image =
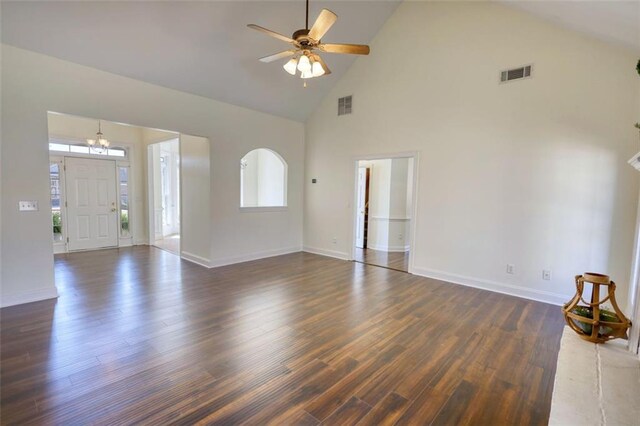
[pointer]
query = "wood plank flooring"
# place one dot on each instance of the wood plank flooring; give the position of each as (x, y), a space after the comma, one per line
(391, 260)
(140, 337)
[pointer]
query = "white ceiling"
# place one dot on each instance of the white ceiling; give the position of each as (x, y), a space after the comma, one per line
(615, 21)
(205, 48)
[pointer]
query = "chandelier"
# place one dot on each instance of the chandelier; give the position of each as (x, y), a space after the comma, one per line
(100, 143)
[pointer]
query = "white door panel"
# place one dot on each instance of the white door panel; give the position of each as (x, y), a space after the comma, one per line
(91, 203)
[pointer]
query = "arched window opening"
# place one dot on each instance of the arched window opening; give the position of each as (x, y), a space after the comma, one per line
(263, 179)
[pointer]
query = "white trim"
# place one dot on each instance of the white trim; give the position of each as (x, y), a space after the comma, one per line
(253, 256)
(391, 219)
(329, 253)
(194, 258)
(512, 290)
(30, 296)
(389, 249)
(263, 209)
(633, 304)
(59, 247)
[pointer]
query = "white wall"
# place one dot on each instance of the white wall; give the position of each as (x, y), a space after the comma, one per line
(196, 205)
(531, 173)
(33, 84)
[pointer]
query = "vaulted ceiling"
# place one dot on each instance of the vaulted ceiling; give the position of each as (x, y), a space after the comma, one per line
(203, 48)
(206, 49)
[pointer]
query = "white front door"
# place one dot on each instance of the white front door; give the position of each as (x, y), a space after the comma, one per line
(92, 210)
(360, 218)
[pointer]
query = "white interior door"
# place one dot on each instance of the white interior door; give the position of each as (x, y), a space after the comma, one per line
(362, 193)
(92, 210)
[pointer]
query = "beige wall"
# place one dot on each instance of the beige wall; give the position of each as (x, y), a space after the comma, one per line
(33, 84)
(531, 173)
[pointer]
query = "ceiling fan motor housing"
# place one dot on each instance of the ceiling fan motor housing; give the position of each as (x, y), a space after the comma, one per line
(301, 36)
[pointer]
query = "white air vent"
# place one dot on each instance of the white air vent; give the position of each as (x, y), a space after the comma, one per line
(344, 105)
(515, 74)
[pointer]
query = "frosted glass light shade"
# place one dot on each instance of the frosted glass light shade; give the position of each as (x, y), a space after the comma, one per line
(290, 66)
(306, 74)
(317, 69)
(303, 64)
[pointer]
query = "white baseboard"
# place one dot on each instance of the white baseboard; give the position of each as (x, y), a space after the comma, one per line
(194, 258)
(28, 297)
(252, 256)
(512, 290)
(389, 249)
(330, 253)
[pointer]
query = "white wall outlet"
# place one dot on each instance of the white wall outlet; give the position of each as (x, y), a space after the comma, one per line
(546, 275)
(511, 269)
(334, 240)
(400, 236)
(28, 206)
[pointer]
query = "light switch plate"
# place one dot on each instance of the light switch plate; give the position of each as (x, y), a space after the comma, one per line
(28, 206)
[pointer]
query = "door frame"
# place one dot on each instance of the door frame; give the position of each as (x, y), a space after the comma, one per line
(128, 161)
(365, 220)
(151, 223)
(414, 199)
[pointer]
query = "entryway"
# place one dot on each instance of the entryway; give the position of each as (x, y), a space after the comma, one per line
(164, 194)
(383, 213)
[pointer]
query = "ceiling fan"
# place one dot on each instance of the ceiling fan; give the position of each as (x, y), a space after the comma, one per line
(305, 44)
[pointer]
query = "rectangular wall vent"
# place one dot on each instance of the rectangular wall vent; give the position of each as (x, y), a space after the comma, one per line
(515, 74)
(344, 105)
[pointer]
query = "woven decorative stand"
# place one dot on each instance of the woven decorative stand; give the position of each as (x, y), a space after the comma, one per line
(591, 322)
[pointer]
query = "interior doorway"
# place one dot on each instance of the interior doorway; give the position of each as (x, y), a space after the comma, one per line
(164, 195)
(383, 215)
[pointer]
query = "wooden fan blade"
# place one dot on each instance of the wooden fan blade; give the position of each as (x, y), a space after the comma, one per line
(277, 56)
(271, 33)
(325, 20)
(350, 49)
(326, 69)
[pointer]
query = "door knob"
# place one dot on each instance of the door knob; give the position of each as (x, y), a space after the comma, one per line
(113, 209)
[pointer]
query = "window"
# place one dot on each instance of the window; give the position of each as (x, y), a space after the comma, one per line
(263, 179)
(58, 146)
(123, 182)
(56, 214)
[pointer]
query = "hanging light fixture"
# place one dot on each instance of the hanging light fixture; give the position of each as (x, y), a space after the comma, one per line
(316, 69)
(291, 66)
(100, 143)
(304, 65)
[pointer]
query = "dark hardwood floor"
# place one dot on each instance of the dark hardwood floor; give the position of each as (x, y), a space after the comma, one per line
(391, 260)
(139, 336)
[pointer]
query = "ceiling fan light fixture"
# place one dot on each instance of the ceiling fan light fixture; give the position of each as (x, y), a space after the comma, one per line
(303, 64)
(306, 74)
(317, 69)
(291, 66)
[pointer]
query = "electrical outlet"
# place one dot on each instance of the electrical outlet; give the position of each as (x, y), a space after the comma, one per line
(28, 206)
(334, 240)
(400, 236)
(546, 275)
(511, 269)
